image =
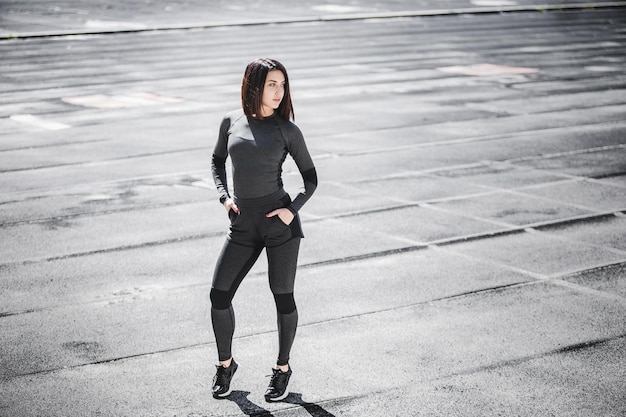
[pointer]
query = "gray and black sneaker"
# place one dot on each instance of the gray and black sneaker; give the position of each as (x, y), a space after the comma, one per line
(279, 382)
(222, 380)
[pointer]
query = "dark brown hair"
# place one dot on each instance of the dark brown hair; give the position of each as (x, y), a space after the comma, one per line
(253, 84)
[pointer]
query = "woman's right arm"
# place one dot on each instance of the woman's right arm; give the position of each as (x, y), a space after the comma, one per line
(218, 161)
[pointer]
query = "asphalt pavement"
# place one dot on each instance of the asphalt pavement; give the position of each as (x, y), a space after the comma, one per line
(465, 251)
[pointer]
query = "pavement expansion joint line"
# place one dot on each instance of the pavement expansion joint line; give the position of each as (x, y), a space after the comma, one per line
(566, 153)
(501, 364)
(521, 193)
(504, 363)
(455, 296)
(451, 297)
(600, 180)
(572, 220)
(474, 139)
(469, 216)
(616, 251)
(465, 294)
(537, 276)
(516, 361)
(591, 291)
(609, 175)
(53, 145)
(558, 279)
(328, 18)
(141, 207)
(361, 257)
(416, 246)
(112, 360)
(96, 184)
(108, 299)
(116, 249)
(105, 161)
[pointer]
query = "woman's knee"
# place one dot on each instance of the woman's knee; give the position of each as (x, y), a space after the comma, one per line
(285, 303)
(220, 300)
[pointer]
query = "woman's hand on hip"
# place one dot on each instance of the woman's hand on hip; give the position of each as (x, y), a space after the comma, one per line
(285, 215)
(229, 204)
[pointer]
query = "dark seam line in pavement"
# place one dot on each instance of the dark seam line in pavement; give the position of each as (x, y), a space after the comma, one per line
(112, 298)
(141, 207)
(611, 175)
(465, 141)
(512, 228)
(512, 362)
(372, 211)
(52, 145)
(478, 236)
(195, 345)
(347, 259)
(105, 361)
(104, 161)
(17, 313)
(609, 266)
(565, 349)
(497, 288)
(566, 153)
(571, 220)
(421, 303)
(521, 193)
(263, 273)
(120, 248)
(568, 222)
(484, 138)
(338, 18)
(115, 182)
(370, 255)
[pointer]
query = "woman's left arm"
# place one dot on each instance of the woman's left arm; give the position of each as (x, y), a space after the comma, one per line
(299, 152)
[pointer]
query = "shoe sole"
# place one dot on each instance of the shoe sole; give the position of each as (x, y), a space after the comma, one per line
(282, 397)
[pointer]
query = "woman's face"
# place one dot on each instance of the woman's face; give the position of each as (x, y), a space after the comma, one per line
(273, 92)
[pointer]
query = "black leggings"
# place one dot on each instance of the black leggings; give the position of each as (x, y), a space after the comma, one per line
(250, 232)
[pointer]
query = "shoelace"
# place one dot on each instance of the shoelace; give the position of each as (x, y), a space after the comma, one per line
(220, 376)
(275, 377)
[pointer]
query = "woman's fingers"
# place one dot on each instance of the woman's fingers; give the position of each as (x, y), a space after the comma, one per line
(230, 204)
(284, 214)
(272, 213)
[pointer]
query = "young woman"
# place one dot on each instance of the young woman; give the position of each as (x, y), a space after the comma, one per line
(262, 215)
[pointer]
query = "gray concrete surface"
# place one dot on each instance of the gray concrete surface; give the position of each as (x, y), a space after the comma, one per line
(62, 17)
(465, 252)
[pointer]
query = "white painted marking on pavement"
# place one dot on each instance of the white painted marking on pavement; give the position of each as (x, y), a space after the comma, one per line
(38, 121)
(493, 3)
(599, 68)
(103, 101)
(336, 8)
(98, 197)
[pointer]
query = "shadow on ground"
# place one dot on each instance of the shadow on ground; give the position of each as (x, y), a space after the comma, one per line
(251, 409)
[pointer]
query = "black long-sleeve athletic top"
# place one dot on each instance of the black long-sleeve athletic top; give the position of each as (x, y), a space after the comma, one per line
(258, 148)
